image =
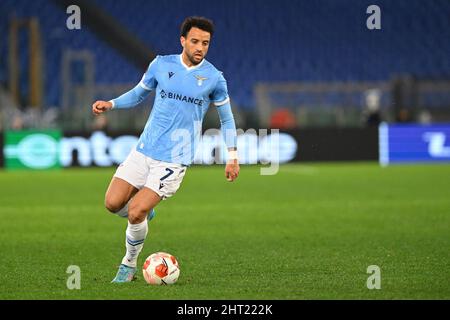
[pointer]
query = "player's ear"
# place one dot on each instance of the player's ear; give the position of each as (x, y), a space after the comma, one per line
(182, 41)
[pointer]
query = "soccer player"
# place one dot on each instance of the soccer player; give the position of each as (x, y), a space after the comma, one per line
(186, 84)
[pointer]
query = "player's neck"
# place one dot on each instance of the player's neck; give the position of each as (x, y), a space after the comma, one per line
(186, 60)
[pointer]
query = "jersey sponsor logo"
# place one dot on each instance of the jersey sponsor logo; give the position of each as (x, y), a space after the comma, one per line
(171, 74)
(200, 79)
(180, 97)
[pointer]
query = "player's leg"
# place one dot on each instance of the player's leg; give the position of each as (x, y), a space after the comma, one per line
(130, 176)
(118, 198)
(143, 202)
(118, 195)
(162, 182)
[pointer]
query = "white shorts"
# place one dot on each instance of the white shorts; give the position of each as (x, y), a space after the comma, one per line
(141, 171)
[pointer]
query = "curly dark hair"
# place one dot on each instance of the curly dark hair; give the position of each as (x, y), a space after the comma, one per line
(198, 22)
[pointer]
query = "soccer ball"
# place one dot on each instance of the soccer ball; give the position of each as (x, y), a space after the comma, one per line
(161, 268)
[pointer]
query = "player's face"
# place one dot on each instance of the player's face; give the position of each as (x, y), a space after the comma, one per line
(196, 44)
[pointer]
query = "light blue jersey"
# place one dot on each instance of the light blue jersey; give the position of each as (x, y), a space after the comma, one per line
(183, 95)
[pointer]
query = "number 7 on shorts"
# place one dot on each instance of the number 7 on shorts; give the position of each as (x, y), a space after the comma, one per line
(167, 175)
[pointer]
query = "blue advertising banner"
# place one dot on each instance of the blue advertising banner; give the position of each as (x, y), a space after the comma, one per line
(409, 143)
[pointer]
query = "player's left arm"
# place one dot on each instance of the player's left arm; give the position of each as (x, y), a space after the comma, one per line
(221, 100)
(228, 128)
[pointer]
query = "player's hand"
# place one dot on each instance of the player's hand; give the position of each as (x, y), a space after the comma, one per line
(101, 106)
(232, 170)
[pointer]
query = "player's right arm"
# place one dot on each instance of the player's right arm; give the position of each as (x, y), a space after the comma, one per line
(128, 100)
(133, 97)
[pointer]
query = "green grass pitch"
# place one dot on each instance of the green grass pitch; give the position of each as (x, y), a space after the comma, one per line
(308, 232)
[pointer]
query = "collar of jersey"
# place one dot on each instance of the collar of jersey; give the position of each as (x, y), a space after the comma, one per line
(190, 68)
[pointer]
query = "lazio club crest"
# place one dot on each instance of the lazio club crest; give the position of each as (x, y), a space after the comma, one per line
(200, 80)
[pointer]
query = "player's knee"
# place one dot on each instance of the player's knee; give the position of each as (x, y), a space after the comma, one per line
(137, 213)
(112, 205)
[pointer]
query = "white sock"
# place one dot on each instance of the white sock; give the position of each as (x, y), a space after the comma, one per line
(134, 241)
(124, 211)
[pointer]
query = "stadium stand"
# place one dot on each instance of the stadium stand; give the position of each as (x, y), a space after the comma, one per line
(265, 40)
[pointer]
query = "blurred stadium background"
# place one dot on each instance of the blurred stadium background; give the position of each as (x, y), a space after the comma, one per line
(312, 69)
